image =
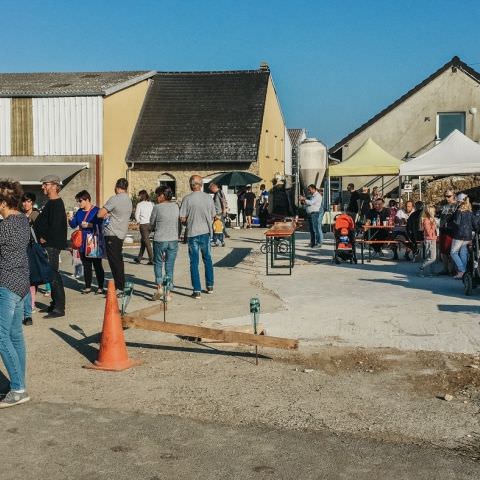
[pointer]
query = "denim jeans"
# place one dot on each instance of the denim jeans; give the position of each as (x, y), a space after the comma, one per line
(430, 256)
(459, 254)
(314, 231)
(164, 255)
(197, 245)
(27, 305)
(12, 345)
(320, 231)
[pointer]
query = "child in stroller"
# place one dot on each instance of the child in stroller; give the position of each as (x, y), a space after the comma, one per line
(344, 231)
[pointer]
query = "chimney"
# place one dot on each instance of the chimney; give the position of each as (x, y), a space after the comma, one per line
(264, 67)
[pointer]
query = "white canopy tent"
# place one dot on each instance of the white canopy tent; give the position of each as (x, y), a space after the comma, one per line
(456, 155)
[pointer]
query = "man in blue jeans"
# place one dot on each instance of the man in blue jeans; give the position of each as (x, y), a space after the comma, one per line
(197, 212)
(313, 203)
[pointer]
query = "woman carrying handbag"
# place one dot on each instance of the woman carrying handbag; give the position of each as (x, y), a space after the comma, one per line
(14, 288)
(90, 227)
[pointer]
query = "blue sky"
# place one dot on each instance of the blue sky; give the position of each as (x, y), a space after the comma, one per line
(335, 63)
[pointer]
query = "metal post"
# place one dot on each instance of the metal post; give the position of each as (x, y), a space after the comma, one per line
(167, 286)
(420, 186)
(255, 311)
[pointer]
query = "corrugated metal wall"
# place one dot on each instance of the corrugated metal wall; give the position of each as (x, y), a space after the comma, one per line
(68, 126)
(5, 126)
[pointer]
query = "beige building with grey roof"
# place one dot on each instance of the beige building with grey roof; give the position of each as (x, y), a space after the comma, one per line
(76, 125)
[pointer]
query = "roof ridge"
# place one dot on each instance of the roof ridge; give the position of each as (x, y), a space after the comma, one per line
(211, 72)
(455, 62)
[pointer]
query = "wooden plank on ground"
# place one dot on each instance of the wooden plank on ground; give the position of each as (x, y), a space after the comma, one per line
(237, 328)
(226, 336)
(148, 311)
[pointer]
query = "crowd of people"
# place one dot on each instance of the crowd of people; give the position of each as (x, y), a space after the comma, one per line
(98, 233)
(450, 225)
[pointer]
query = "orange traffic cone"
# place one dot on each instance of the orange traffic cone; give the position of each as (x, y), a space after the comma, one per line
(113, 351)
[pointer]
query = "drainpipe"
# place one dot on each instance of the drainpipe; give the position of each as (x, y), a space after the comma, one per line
(129, 168)
(98, 198)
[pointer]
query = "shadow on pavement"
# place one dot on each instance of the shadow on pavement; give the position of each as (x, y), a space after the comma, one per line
(470, 309)
(233, 258)
(83, 347)
(421, 284)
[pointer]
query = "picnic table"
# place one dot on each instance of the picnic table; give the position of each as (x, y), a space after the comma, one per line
(371, 237)
(279, 247)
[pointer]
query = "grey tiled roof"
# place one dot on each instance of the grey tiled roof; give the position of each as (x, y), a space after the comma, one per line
(201, 117)
(62, 84)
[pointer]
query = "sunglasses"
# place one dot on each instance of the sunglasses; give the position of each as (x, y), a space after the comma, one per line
(448, 196)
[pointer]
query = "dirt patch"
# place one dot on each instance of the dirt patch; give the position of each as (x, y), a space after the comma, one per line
(426, 373)
(334, 360)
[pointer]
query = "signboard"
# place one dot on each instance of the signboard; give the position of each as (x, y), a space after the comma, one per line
(407, 187)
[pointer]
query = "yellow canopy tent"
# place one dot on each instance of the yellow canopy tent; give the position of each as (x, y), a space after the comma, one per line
(369, 159)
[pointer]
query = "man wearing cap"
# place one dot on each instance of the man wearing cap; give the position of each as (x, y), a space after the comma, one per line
(51, 230)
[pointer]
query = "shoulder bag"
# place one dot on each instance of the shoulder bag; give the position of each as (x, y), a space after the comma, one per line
(76, 237)
(40, 270)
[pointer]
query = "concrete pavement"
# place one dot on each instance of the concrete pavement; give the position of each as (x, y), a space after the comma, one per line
(53, 441)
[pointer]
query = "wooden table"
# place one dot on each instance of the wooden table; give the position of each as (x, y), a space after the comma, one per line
(370, 232)
(280, 246)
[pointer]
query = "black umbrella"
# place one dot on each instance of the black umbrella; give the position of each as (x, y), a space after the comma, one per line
(236, 179)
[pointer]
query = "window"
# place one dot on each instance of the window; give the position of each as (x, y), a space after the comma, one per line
(448, 122)
(167, 180)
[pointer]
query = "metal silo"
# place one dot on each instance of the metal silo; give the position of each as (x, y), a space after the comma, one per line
(312, 162)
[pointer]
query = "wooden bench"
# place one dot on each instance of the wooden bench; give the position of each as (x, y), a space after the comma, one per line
(280, 245)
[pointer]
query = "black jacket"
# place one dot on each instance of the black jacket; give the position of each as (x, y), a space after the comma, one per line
(51, 224)
(463, 225)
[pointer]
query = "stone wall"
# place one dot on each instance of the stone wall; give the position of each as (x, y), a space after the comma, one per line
(433, 191)
(146, 176)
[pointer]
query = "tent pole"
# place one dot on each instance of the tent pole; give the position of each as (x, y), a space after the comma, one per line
(383, 186)
(420, 186)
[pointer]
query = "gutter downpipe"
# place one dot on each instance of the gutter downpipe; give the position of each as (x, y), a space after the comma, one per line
(98, 200)
(129, 168)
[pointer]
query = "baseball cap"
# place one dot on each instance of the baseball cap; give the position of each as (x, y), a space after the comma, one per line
(461, 197)
(51, 179)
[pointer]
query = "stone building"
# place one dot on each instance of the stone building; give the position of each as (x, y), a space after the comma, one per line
(207, 123)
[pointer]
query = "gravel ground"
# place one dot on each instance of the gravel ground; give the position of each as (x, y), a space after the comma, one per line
(387, 393)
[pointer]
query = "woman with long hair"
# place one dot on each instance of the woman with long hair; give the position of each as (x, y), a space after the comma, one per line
(86, 219)
(143, 211)
(14, 289)
(463, 226)
(28, 208)
(429, 226)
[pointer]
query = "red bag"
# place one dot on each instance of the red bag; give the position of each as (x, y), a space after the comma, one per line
(76, 237)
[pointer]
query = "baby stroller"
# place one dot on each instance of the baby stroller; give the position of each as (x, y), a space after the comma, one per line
(344, 231)
(471, 278)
